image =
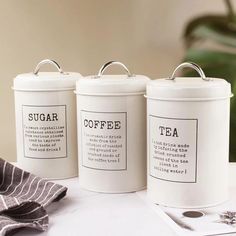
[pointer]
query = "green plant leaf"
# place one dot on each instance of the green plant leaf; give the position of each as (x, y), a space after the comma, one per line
(210, 57)
(218, 28)
(215, 34)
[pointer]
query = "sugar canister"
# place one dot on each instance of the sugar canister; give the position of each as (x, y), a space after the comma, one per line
(45, 110)
(188, 139)
(112, 131)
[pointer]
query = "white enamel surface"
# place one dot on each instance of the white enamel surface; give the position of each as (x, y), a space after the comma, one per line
(188, 88)
(112, 84)
(47, 146)
(211, 185)
(46, 81)
(56, 168)
(116, 178)
(116, 101)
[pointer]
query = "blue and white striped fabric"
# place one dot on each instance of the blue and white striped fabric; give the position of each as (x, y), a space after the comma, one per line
(23, 198)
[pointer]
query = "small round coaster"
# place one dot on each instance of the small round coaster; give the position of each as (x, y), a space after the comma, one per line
(193, 214)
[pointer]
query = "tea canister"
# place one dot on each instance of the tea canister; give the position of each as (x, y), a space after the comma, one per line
(112, 131)
(188, 140)
(45, 110)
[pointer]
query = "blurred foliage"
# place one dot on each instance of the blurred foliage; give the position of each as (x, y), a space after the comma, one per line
(221, 63)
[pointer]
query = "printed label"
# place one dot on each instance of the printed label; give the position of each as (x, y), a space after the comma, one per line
(44, 131)
(104, 137)
(173, 149)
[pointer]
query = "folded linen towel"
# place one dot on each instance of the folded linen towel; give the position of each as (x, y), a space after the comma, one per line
(23, 198)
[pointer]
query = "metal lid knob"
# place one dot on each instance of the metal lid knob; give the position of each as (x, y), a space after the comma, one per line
(110, 63)
(47, 61)
(190, 65)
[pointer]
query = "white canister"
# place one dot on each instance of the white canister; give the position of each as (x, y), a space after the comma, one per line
(112, 131)
(188, 140)
(45, 110)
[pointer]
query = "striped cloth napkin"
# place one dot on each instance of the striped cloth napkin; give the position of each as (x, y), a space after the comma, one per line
(23, 198)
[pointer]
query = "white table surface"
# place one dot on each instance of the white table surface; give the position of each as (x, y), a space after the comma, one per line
(85, 213)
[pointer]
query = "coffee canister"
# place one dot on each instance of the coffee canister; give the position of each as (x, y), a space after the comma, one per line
(45, 110)
(188, 140)
(112, 131)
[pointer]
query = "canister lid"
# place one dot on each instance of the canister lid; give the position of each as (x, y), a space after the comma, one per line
(46, 81)
(112, 85)
(188, 88)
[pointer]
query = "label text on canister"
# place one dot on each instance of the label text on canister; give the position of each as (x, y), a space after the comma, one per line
(173, 149)
(43, 117)
(104, 140)
(44, 131)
